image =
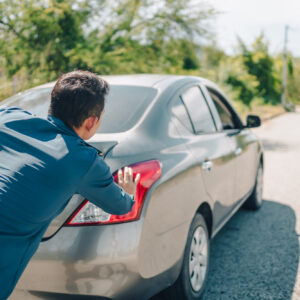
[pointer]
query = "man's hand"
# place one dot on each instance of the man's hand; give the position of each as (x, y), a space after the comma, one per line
(127, 182)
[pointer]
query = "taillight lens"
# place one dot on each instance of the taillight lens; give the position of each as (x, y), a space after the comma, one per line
(89, 214)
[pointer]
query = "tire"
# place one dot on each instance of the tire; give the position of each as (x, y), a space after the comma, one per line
(254, 201)
(190, 285)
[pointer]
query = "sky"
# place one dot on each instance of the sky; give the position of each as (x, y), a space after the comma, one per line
(248, 18)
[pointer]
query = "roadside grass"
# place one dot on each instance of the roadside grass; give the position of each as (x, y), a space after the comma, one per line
(264, 111)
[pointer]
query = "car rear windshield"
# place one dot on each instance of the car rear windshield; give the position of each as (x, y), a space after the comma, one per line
(124, 105)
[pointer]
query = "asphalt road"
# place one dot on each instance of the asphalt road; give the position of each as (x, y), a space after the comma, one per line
(256, 254)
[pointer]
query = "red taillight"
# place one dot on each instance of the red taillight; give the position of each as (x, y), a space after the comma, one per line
(89, 214)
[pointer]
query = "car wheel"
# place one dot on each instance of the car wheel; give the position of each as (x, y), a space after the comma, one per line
(254, 201)
(192, 279)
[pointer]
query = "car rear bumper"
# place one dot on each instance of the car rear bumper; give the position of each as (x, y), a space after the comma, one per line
(92, 260)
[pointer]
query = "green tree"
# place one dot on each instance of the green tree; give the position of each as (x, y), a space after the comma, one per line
(293, 87)
(40, 36)
(41, 39)
(260, 64)
(153, 36)
(229, 73)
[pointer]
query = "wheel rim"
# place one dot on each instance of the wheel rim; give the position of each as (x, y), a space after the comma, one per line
(259, 185)
(198, 258)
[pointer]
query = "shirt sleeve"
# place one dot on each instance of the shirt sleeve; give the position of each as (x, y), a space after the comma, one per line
(99, 188)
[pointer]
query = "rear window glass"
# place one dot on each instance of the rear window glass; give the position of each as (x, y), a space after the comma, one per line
(124, 105)
(35, 101)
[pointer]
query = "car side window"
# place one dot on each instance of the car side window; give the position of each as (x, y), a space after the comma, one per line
(179, 110)
(226, 116)
(198, 110)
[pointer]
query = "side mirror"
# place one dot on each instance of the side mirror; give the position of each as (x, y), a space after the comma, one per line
(253, 121)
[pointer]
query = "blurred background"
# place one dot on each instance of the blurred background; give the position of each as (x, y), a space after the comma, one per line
(249, 48)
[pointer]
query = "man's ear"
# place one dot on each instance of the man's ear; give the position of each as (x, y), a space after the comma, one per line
(90, 122)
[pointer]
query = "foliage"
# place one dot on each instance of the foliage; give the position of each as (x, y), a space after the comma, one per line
(243, 82)
(229, 73)
(260, 64)
(251, 74)
(293, 87)
(40, 39)
(46, 39)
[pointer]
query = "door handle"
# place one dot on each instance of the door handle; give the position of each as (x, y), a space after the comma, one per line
(207, 165)
(238, 151)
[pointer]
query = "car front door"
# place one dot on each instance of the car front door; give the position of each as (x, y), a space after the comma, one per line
(242, 142)
(212, 152)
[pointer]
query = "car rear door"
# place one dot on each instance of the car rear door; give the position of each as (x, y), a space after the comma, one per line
(212, 151)
(242, 142)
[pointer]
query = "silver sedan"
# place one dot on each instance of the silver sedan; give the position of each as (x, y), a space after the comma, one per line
(198, 163)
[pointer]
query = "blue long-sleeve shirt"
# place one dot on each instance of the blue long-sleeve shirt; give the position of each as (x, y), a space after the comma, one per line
(42, 164)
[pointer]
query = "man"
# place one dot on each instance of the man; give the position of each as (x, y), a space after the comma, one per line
(44, 162)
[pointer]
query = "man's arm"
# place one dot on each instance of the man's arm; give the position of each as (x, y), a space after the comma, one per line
(99, 188)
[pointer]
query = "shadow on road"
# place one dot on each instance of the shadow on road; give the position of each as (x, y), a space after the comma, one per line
(274, 145)
(255, 256)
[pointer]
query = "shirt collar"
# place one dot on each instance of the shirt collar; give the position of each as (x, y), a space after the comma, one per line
(65, 128)
(62, 125)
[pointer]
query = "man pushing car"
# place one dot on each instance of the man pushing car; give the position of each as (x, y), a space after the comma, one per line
(43, 162)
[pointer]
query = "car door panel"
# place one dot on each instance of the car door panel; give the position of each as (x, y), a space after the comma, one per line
(242, 141)
(246, 168)
(219, 177)
(213, 156)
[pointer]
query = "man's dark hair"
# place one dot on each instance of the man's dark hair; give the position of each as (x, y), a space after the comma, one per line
(76, 96)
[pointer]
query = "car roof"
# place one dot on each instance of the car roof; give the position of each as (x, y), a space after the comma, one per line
(146, 80)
